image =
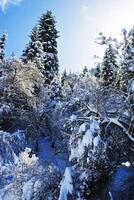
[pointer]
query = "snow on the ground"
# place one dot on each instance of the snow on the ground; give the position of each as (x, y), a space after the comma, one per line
(47, 153)
(119, 179)
(27, 190)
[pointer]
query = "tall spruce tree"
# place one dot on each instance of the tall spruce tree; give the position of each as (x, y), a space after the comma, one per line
(97, 72)
(109, 67)
(64, 77)
(85, 71)
(2, 46)
(126, 72)
(48, 37)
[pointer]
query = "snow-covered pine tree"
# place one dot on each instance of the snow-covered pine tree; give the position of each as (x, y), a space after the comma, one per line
(64, 77)
(109, 67)
(34, 50)
(55, 89)
(48, 37)
(2, 46)
(85, 71)
(126, 72)
(34, 34)
(97, 71)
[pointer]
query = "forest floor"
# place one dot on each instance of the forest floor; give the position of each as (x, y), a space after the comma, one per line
(47, 154)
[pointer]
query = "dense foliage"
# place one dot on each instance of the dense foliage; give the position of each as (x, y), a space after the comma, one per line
(60, 138)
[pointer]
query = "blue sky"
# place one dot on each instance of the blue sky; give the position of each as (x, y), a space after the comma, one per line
(77, 20)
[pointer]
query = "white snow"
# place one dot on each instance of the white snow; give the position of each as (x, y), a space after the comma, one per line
(27, 190)
(96, 141)
(11, 142)
(126, 164)
(5, 109)
(7, 193)
(88, 139)
(132, 86)
(127, 113)
(82, 128)
(84, 175)
(85, 142)
(66, 184)
(114, 121)
(26, 160)
(110, 195)
(73, 118)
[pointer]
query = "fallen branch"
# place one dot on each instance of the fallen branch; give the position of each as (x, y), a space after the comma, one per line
(116, 122)
(93, 111)
(115, 140)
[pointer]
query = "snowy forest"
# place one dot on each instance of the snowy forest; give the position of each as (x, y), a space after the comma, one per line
(66, 136)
